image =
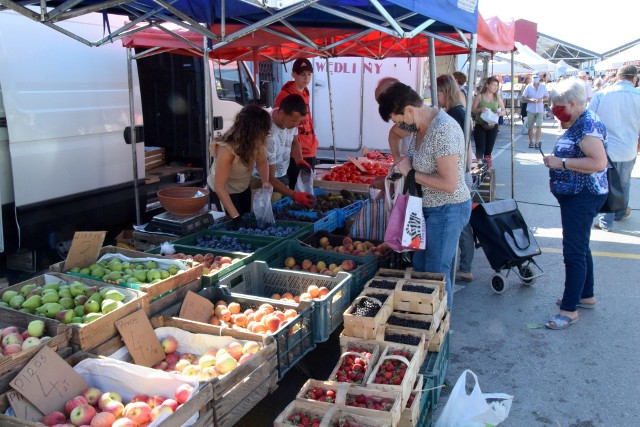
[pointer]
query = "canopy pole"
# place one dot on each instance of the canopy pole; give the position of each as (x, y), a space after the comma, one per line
(208, 108)
(333, 126)
(432, 71)
(513, 148)
(471, 87)
(132, 121)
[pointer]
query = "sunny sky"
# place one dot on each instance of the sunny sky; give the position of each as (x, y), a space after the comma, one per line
(597, 25)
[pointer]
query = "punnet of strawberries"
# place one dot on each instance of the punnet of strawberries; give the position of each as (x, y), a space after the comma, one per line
(353, 368)
(321, 395)
(410, 401)
(303, 419)
(369, 402)
(392, 371)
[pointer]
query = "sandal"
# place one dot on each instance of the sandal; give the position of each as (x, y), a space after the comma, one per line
(588, 305)
(558, 322)
(537, 146)
(531, 145)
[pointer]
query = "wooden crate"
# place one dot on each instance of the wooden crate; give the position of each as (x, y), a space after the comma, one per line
(366, 327)
(144, 241)
(310, 409)
(439, 279)
(196, 405)
(429, 333)
(89, 335)
(337, 186)
(152, 290)
(438, 339)
(354, 419)
(392, 416)
(411, 414)
(58, 332)
(416, 302)
(387, 273)
(339, 389)
(413, 366)
(176, 296)
(372, 348)
(154, 157)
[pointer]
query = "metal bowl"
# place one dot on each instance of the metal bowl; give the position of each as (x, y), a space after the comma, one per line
(183, 201)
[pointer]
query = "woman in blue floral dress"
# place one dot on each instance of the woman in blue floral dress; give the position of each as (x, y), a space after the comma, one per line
(578, 180)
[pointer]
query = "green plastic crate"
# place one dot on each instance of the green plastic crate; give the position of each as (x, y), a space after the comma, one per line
(383, 261)
(211, 278)
(258, 243)
(365, 267)
(301, 229)
(257, 279)
(294, 340)
(434, 369)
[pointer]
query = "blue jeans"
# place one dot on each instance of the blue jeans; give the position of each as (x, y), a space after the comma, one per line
(444, 224)
(577, 212)
(624, 170)
(466, 242)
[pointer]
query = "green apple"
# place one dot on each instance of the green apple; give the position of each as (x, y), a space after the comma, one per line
(151, 264)
(75, 269)
(115, 265)
(85, 271)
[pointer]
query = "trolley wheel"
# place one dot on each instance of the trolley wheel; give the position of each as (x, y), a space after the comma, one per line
(527, 272)
(499, 283)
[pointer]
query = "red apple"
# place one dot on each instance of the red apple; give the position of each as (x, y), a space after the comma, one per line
(53, 418)
(92, 395)
(103, 419)
(139, 398)
(160, 410)
(124, 422)
(12, 338)
(162, 365)
(82, 414)
(76, 401)
(25, 335)
(10, 330)
(172, 358)
(138, 412)
(171, 403)
(190, 357)
(183, 392)
(107, 397)
(169, 344)
(12, 348)
(30, 342)
(113, 406)
(156, 400)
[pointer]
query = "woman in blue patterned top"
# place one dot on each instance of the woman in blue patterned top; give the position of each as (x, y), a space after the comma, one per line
(578, 180)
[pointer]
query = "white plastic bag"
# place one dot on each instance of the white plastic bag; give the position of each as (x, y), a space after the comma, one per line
(261, 207)
(304, 183)
(490, 117)
(473, 410)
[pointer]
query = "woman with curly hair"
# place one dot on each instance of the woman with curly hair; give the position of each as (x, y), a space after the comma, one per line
(235, 155)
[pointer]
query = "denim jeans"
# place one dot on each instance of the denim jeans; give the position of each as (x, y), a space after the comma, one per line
(577, 213)
(466, 242)
(444, 224)
(624, 170)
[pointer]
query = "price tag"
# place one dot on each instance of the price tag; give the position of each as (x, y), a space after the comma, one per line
(48, 382)
(22, 408)
(141, 341)
(85, 248)
(196, 308)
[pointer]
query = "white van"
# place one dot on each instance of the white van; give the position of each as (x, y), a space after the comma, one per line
(64, 111)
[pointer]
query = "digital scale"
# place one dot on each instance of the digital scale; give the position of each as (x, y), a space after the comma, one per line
(179, 225)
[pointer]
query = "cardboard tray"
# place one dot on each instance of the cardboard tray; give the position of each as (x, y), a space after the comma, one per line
(89, 335)
(152, 290)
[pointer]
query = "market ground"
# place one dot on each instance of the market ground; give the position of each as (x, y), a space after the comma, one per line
(584, 376)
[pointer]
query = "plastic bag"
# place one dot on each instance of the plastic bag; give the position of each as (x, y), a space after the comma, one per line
(304, 183)
(473, 410)
(490, 117)
(261, 207)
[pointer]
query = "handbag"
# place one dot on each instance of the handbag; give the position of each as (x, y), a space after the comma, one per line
(474, 409)
(406, 227)
(615, 198)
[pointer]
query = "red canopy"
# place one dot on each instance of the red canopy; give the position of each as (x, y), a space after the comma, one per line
(275, 43)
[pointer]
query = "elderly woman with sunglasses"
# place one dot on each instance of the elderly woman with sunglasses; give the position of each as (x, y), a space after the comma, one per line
(578, 180)
(437, 146)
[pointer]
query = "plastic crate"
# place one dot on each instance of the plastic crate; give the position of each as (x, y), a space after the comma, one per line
(258, 243)
(211, 278)
(301, 229)
(259, 280)
(426, 412)
(293, 341)
(434, 369)
(325, 221)
(348, 211)
(365, 267)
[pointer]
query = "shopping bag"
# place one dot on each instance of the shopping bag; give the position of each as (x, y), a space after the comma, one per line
(406, 228)
(476, 409)
(615, 199)
(261, 207)
(371, 221)
(489, 117)
(304, 183)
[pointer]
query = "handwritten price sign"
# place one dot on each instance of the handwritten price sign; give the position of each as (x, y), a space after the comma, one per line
(85, 248)
(22, 408)
(48, 382)
(196, 308)
(141, 341)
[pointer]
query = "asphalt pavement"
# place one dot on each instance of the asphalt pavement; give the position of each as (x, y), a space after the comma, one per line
(586, 375)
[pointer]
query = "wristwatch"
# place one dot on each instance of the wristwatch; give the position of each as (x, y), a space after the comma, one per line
(564, 163)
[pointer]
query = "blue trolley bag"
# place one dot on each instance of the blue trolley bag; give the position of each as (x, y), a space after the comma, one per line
(503, 234)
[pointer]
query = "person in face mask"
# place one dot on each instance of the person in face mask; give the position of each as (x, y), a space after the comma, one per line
(438, 167)
(578, 180)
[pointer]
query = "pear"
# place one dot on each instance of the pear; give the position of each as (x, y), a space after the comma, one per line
(49, 297)
(91, 317)
(27, 310)
(64, 316)
(94, 266)
(7, 295)
(91, 306)
(115, 265)
(66, 303)
(114, 295)
(96, 297)
(36, 328)
(151, 265)
(52, 309)
(108, 305)
(79, 311)
(163, 273)
(153, 274)
(65, 293)
(35, 291)
(4, 304)
(77, 288)
(103, 291)
(173, 270)
(140, 275)
(32, 302)
(16, 301)
(80, 300)
(90, 290)
(52, 285)
(98, 272)
(27, 288)
(113, 276)
(85, 271)
(77, 320)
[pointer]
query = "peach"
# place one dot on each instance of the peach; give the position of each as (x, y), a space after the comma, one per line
(347, 241)
(321, 265)
(290, 262)
(296, 299)
(306, 264)
(267, 307)
(260, 329)
(251, 318)
(235, 350)
(258, 315)
(290, 313)
(221, 302)
(248, 311)
(241, 320)
(287, 295)
(273, 323)
(305, 296)
(279, 315)
(313, 269)
(225, 315)
(251, 347)
(275, 296)
(234, 308)
(214, 320)
(313, 291)
(225, 364)
(324, 242)
(251, 325)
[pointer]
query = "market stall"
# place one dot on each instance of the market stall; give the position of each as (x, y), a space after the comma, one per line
(629, 56)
